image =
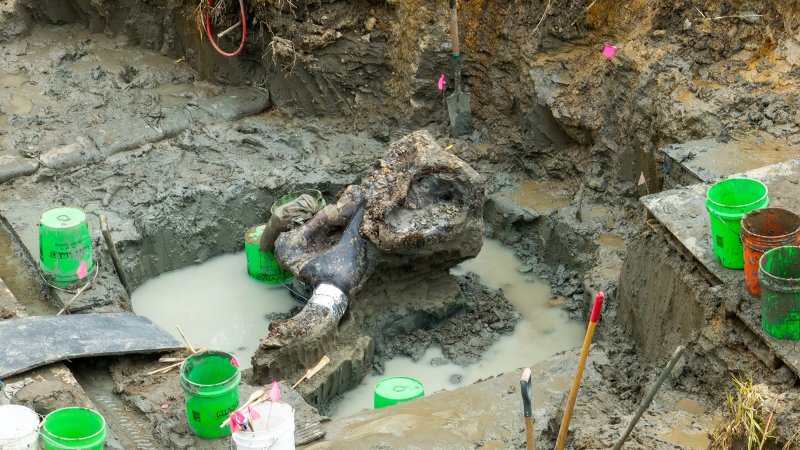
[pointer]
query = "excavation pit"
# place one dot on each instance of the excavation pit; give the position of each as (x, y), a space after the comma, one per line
(120, 108)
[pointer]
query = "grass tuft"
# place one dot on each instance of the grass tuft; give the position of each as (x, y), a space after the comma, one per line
(745, 420)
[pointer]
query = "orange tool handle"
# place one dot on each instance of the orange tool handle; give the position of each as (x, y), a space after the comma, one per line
(576, 383)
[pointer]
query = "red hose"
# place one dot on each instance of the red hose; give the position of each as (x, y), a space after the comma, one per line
(211, 37)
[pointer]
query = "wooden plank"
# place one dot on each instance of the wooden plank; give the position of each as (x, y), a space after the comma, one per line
(31, 342)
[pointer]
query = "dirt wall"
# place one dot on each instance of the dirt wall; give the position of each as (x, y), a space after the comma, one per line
(661, 303)
(665, 301)
(542, 93)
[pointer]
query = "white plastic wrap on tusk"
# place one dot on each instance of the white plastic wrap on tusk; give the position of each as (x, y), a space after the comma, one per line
(330, 297)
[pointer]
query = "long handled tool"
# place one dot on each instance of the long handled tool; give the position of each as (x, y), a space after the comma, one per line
(676, 355)
(576, 383)
(527, 399)
(458, 103)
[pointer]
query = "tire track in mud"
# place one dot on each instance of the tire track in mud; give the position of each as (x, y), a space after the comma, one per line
(130, 428)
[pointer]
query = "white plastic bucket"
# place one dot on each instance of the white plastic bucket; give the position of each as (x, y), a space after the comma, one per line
(19, 428)
(278, 436)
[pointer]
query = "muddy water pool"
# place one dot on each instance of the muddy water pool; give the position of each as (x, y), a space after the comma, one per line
(216, 303)
(542, 332)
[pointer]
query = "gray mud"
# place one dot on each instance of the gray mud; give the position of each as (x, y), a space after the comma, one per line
(555, 122)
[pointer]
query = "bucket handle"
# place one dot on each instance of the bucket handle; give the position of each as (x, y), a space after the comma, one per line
(725, 224)
(51, 442)
(94, 277)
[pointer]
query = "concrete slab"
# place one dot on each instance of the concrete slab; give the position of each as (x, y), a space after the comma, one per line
(710, 160)
(682, 211)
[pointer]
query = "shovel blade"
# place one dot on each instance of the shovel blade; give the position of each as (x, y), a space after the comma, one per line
(458, 108)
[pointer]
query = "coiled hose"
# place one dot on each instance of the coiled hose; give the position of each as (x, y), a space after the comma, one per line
(211, 36)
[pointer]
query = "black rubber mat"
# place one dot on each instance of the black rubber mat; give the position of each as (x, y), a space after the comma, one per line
(30, 342)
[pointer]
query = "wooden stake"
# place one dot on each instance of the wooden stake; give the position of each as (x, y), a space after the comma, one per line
(166, 369)
(311, 372)
(74, 297)
(166, 359)
(185, 341)
(112, 249)
(766, 431)
(230, 29)
(576, 383)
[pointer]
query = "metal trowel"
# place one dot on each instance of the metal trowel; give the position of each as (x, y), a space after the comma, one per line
(458, 104)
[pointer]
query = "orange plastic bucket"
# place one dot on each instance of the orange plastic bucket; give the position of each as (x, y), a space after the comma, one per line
(763, 230)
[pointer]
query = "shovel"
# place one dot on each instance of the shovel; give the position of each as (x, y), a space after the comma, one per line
(527, 411)
(458, 104)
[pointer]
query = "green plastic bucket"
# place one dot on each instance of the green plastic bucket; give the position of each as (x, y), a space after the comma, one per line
(74, 428)
(65, 248)
(210, 383)
(263, 266)
(393, 390)
(779, 275)
(727, 202)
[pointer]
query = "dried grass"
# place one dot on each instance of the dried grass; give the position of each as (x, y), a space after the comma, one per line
(745, 421)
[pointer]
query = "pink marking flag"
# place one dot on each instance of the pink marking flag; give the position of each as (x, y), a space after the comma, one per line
(441, 83)
(275, 392)
(234, 362)
(82, 272)
(642, 180)
(609, 51)
(237, 421)
(254, 415)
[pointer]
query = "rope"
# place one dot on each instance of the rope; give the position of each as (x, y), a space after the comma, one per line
(288, 287)
(211, 35)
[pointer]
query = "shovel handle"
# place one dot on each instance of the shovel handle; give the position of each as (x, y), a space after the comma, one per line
(454, 29)
(576, 382)
(530, 437)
